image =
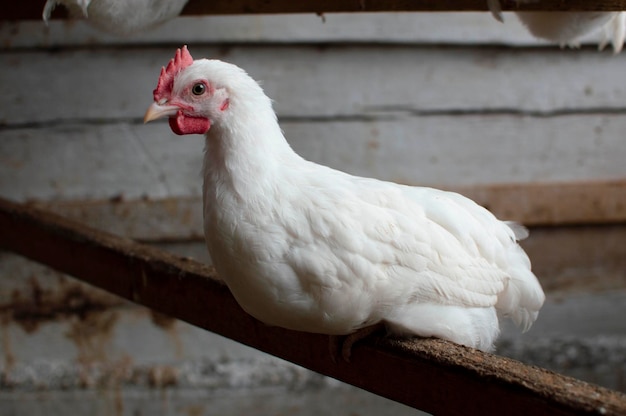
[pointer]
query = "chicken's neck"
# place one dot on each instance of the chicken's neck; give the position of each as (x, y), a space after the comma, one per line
(247, 155)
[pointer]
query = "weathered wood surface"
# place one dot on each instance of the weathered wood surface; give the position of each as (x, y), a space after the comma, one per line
(179, 217)
(568, 112)
(546, 149)
(330, 83)
(328, 6)
(548, 181)
(444, 28)
(375, 28)
(424, 374)
(32, 9)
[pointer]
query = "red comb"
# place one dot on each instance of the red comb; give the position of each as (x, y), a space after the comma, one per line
(181, 60)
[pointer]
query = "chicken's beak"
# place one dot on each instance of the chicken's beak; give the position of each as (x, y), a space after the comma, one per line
(156, 111)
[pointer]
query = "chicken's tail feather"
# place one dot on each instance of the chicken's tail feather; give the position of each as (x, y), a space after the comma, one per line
(523, 296)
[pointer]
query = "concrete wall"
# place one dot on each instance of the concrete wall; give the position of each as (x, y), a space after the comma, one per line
(452, 100)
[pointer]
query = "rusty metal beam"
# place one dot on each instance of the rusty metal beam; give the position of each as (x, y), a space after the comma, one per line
(432, 375)
(31, 10)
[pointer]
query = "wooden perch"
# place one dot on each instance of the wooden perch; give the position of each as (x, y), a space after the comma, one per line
(432, 375)
(31, 10)
(341, 6)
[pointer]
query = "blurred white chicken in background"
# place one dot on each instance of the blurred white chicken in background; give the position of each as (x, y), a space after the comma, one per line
(119, 17)
(566, 28)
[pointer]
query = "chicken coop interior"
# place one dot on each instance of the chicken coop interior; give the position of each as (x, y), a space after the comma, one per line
(108, 302)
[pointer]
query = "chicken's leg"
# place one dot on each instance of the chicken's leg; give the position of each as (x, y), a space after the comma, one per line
(342, 345)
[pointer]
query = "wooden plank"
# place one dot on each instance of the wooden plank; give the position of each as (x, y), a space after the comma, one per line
(560, 203)
(492, 153)
(109, 84)
(32, 9)
(579, 258)
(416, 29)
(176, 219)
(424, 374)
(148, 220)
(333, 6)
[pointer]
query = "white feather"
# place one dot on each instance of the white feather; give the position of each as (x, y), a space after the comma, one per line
(119, 17)
(566, 28)
(309, 248)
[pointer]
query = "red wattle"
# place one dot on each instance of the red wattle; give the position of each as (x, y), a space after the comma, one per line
(182, 124)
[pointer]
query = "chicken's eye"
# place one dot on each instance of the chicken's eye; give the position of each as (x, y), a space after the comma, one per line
(198, 89)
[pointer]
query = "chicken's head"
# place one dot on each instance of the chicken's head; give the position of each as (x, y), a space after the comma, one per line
(190, 100)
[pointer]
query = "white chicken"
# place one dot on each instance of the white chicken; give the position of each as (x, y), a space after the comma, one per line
(566, 28)
(119, 17)
(309, 248)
